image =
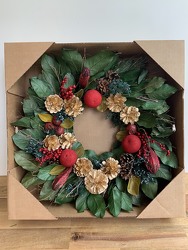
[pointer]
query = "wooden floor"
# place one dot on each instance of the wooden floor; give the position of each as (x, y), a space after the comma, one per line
(86, 234)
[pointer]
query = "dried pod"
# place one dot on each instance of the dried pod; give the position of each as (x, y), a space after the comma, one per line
(60, 180)
(153, 163)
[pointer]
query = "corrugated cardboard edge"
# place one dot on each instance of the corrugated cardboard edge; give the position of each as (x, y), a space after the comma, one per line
(22, 201)
(170, 203)
(23, 55)
(169, 55)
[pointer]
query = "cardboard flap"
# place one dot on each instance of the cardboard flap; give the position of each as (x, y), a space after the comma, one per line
(23, 205)
(169, 55)
(170, 203)
(23, 55)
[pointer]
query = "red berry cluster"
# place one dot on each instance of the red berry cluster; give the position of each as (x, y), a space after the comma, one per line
(144, 150)
(66, 93)
(49, 155)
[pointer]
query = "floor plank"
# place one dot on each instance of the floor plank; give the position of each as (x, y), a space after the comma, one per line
(84, 234)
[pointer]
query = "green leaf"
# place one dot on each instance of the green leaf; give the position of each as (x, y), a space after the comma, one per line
(50, 65)
(163, 92)
(150, 189)
(73, 60)
(44, 173)
(33, 96)
(130, 76)
(22, 137)
(30, 106)
(159, 106)
(164, 172)
(126, 202)
(41, 88)
(30, 180)
(23, 122)
(36, 123)
(90, 154)
(96, 205)
(121, 184)
(114, 201)
(47, 193)
(164, 141)
(26, 161)
(104, 156)
(142, 75)
(67, 123)
(147, 120)
(100, 61)
(169, 160)
(70, 80)
(63, 197)
(154, 84)
(81, 201)
(78, 148)
(52, 81)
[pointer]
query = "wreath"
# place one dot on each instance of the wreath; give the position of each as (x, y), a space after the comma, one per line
(140, 162)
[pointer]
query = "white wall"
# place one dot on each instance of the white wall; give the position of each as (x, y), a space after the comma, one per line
(87, 21)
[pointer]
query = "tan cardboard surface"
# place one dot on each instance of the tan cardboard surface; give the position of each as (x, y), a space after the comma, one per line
(169, 55)
(32, 208)
(19, 57)
(166, 204)
(23, 204)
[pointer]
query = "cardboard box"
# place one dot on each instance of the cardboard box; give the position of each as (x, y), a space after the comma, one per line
(22, 62)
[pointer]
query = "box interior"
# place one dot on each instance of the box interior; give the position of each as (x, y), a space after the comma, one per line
(17, 92)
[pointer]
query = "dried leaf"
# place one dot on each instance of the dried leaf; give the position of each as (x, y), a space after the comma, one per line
(133, 185)
(102, 107)
(120, 135)
(45, 117)
(67, 123)
(57, 170)
(80, 93)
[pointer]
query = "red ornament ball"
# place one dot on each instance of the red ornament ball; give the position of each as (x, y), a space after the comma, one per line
(68, 158)
(92, 98)
(131, 144)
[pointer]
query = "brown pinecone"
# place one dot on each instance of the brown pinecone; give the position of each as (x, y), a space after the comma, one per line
(126, 162)
(111, 75)
(102, 86)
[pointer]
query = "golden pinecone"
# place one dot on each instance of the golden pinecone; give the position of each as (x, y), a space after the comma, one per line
(54, 103)
(51, 142)
(96, 182)
(129, 114)
(111, 168)
(115, 103)
(66, 140)
(82, 167)
(73, 107)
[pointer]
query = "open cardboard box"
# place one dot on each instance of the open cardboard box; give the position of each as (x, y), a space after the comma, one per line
(22, 62)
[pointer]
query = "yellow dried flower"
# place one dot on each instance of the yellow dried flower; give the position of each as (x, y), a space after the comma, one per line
(96, 182)
(67, 140)
(54, 103)
(73, 107)
(82, 167)
(51, 142)
(129, 114)
(115, 103)
(111, 168)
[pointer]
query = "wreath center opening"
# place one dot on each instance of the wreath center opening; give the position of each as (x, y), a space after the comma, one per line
(94, 131)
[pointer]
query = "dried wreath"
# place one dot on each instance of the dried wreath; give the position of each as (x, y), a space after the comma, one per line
(135, 102)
